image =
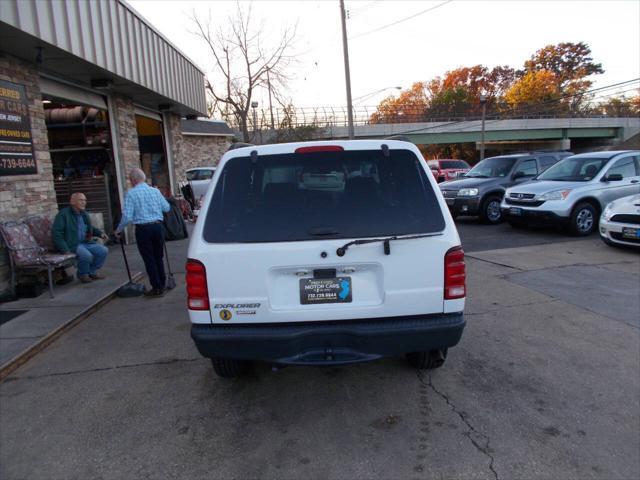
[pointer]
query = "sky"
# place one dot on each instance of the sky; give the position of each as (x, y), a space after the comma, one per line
(421, 45)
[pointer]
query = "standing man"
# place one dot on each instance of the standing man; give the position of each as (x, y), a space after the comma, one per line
(143, 206)
(72, 232)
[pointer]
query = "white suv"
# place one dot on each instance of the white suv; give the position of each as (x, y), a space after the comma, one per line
(574, 191)
(324, 253)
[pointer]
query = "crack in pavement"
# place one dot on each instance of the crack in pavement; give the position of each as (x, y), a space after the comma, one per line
(471, 429)
(103, 369)
(494, 263)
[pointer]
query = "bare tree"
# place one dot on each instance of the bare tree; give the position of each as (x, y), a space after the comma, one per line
(243, 64)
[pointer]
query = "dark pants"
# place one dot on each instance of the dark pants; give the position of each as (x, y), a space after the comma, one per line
(150, 239)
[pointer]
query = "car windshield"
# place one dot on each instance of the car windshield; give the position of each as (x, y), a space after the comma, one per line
(453, 164)
(574, 169)
(492, 167)
(338, 194)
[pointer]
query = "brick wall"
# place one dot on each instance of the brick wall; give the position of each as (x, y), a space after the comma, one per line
(22, 195)
(126, 135)
(175, 143)
(198, 151)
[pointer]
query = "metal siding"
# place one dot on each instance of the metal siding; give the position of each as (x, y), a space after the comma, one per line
(84, 24)
(117, 24)
(44, 20)
(130, 49)
(100, 46)
(108, 34)
(26, 17)
(62, 36)
(74, 28)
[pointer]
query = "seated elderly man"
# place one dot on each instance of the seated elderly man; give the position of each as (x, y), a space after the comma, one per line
(73, 233)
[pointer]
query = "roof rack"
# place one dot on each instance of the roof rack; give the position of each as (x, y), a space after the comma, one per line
(235, 145)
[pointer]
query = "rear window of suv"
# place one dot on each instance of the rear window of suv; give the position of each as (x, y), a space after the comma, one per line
(343, 194)
(453, 164)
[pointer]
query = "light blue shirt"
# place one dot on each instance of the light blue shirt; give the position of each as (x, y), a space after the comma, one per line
(143, 204)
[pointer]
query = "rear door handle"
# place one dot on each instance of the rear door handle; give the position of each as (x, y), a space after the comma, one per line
(635, 181)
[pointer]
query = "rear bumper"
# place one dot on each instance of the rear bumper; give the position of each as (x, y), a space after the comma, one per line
(329, 343)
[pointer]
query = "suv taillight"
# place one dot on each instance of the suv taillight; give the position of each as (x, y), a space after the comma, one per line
(197, 291)
(454, 274)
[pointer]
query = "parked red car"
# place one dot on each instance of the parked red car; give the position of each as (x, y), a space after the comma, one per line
(447, 169)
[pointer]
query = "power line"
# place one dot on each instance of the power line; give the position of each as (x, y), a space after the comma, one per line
(401, 20)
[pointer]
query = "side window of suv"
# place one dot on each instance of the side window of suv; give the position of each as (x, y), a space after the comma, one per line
(545, 162)
(527, 167)
(205, 174)
(625, 167)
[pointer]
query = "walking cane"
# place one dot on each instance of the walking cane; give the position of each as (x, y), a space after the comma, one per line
(131, 289)
(171, 282)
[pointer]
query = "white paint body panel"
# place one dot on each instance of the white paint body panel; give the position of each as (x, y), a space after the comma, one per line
(409, 281)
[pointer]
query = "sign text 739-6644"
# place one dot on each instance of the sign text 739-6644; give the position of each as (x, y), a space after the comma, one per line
(16, 144)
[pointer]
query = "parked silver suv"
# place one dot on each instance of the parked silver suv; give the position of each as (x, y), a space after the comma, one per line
(574, 191)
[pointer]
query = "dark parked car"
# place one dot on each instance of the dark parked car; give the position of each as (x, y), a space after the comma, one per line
(446, 169)
(480, 190)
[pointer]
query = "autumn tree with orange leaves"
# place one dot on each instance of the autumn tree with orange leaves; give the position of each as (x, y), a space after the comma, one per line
(409, 106)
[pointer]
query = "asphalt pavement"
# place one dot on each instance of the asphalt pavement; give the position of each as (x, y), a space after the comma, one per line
(544, 384)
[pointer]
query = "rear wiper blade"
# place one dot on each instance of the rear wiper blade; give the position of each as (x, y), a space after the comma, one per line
(387, 247)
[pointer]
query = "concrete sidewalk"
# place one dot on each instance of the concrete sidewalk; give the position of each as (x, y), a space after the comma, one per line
(45, 318)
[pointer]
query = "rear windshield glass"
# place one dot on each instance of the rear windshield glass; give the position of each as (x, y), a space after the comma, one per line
(574, 169)
(350, 194)
(192, 175)
(492, 167)
(453, 164)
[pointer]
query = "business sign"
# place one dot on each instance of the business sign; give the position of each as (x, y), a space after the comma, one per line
(16, 145)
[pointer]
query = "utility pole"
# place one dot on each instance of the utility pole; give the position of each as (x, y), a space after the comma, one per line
(270, 106)
(483, 102)
(347, 75)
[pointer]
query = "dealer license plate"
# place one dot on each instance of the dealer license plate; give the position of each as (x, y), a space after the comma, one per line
(516, 212)
(630, 233)
(325, 290)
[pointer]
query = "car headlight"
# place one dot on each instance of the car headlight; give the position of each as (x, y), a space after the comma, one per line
(555, 195)
(608, 212)
(468, 192)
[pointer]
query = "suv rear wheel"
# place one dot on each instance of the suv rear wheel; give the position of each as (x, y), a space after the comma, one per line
(490, 210)
(427, 360)
(229, 368)
(583, 219)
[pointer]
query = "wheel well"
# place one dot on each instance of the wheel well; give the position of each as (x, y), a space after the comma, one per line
(496, 193)
(593, 202)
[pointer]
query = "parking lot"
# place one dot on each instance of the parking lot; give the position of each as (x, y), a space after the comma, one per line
(544, 384)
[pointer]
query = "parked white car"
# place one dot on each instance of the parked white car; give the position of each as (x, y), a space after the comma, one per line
(324, 253)
(199, 178)
(620, 222)
(574, 191)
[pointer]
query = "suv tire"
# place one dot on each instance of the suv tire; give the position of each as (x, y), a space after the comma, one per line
(427, 360)
(490, 210)
(583, 220)
(228, 367)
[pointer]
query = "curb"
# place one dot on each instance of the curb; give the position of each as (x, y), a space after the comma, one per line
(9, 367)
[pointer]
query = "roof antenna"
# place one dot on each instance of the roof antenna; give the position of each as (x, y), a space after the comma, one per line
(254, 157)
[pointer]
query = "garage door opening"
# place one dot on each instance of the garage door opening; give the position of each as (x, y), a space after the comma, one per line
(80, 145)
(153, 158)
